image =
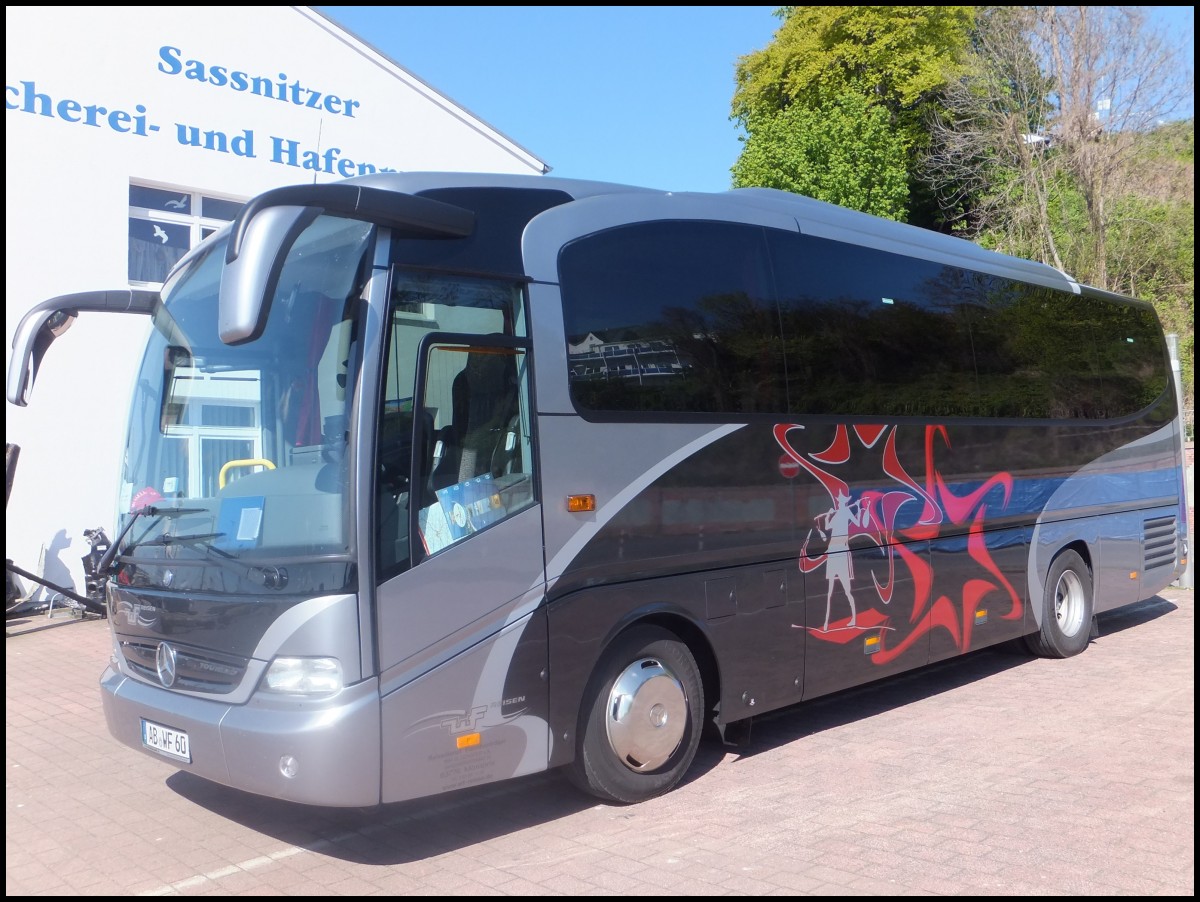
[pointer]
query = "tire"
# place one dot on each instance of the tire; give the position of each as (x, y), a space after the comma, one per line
(642, 718)
(1067, 609)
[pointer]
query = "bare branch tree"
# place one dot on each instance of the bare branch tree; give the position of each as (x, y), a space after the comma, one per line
(1115, 78)
(1052, 91)
(989, 149)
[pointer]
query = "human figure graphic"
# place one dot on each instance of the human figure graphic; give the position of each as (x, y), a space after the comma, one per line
(838, 565)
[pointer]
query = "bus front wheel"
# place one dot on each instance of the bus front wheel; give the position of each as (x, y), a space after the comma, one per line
(641, 723)
(1066, 609)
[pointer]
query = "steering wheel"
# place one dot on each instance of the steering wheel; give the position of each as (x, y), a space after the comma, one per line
(394, 461)
(395, 451)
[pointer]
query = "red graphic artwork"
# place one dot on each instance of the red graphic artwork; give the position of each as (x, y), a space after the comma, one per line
(872, 518)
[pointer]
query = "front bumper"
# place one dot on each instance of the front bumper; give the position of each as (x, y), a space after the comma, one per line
(330, 746)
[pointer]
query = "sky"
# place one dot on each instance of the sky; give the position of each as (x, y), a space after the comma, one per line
(627, 94)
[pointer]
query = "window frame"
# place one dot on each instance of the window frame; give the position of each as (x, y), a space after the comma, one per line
(199, 226)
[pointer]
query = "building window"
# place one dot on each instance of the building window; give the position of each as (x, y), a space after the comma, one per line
(165, 223)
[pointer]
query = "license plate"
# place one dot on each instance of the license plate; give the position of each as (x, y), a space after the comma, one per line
(166, 740)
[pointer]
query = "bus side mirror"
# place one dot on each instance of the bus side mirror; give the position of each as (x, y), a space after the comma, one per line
(268, 225)
(253, 261)
(50, 319)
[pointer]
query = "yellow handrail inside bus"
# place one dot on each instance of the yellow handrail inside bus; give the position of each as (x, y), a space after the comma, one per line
(246, 462)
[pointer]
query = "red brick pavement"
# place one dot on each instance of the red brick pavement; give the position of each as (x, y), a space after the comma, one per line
(994, 774)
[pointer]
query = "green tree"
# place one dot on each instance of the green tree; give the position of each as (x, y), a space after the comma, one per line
(1152, 238)
(846, 153)
(893, 58)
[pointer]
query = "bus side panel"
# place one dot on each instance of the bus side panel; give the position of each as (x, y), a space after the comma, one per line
(979, 595)
(755, 616)
(887, 629)
(1123, 506)
(935, 522)
(476, 718)
(462, 650)
(1118, 563)
(1138, 553)
(458, 597)
(1163, 535)
(748, 621)
(670, 497)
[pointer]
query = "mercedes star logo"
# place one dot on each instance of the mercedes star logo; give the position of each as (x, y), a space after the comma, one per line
(165, 662)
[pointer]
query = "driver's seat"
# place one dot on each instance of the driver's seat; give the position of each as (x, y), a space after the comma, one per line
(484, 397)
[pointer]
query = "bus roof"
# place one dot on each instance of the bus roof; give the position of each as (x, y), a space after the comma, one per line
(813, 217)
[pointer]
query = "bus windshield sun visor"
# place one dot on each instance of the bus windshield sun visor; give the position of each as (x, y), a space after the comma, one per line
(266, 227)
(50, 319)
(414, 217)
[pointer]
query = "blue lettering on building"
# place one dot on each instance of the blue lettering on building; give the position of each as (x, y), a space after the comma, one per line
(241, 145)
(329, 160)
(26, 98)
(273, 87)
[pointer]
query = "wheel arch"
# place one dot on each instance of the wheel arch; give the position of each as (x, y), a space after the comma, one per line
(697, 642)
(1046, 545)
(574, 667)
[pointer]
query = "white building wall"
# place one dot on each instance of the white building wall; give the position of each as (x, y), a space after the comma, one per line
(97, 97)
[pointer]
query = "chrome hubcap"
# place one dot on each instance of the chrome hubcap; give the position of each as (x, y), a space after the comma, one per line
(646, 715)
(1069, 603)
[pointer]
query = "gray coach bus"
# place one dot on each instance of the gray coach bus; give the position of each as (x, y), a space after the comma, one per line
(434, 480)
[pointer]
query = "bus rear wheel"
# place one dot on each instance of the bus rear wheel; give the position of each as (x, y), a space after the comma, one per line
(641, 723)
(1066, 609)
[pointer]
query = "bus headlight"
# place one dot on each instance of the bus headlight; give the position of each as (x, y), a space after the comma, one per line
(304, 676)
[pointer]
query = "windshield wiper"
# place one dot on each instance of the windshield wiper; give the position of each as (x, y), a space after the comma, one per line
(193, 538)
(102, 568)
(272, 577)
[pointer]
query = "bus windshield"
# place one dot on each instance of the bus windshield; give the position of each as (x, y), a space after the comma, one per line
(235, 473)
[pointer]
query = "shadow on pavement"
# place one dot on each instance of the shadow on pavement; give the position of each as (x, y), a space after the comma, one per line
(848, 706)
(400, 832)
(1112, 622)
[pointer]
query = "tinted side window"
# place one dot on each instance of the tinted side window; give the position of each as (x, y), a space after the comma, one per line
(880, 334)
(873, 333)
(1035, 353)
(672, 316)
(1053, 354)
(1132, 355)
